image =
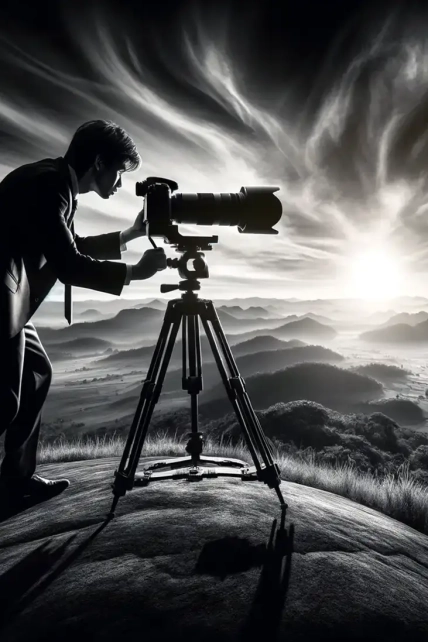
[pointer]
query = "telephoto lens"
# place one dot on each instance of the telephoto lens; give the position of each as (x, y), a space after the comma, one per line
(254, 210)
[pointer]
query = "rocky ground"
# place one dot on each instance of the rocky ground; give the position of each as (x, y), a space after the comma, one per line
(207, 560)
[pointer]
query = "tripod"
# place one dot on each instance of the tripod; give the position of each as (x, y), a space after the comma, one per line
(186, 311)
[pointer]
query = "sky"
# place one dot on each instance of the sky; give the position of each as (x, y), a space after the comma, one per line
(325, 99)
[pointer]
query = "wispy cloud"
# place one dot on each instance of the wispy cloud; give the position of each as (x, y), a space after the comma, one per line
(354, 173)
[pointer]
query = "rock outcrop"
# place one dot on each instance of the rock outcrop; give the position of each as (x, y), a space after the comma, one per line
(207, 561)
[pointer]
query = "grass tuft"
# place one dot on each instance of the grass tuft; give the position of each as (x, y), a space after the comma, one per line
(397, 495)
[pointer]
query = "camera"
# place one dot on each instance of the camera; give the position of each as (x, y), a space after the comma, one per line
(254, 210)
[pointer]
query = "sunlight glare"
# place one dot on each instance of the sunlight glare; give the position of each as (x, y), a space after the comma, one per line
(375, 275)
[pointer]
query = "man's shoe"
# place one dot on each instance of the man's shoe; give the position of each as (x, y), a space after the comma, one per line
(14, 491)
(40, 487)
(16, 495)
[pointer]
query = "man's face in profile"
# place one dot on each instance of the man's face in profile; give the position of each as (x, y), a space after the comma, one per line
(108, 179)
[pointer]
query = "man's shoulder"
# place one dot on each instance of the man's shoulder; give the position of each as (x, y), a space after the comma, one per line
(43, 171)
(48, 173)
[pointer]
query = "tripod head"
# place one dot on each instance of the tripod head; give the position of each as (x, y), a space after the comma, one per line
(200, 270)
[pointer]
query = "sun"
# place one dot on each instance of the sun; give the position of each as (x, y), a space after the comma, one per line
(375, 274)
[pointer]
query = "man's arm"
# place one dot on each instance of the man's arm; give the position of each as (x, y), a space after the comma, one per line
(50, 231)
(123, 237)
(104, 246)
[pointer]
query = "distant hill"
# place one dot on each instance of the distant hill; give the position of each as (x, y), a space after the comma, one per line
(130, 358)
(246, 365)
(90, 313)
(137, 357)
(324, 383)
(305, 328)
(259, 362)
(237, 312)
(231, 324)
(56, 355)
(246, 302)
(156, 304)
(382, 372)
(404, 411)
(127, 324)
(52, 311)
(250, 313)
(85, 345)
(234, 339)
(412, 301)
(308, 424)
(319, 318)
(406, 318)
(106, 308)
(275, 309)
(263, 343)
(381, 316)
(400, 333)
(371, 440)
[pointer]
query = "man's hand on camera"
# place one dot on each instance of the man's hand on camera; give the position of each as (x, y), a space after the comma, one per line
(151, 262)
(139, 225)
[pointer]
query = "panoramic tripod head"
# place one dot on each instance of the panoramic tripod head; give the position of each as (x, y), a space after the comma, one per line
(190, 277)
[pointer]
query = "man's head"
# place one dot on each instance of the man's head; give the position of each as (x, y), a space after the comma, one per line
(100, 152)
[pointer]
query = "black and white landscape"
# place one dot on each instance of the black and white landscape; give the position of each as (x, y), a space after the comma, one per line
(327, 322)
(287, 352)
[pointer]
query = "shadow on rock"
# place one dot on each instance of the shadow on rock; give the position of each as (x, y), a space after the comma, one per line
(235, 555)
(229, 555)
(8, 510)
(24, 582)
(266, 610)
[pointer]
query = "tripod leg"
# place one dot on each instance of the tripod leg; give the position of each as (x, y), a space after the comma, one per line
(239, 385)
(184, 351)
(193, 384)
(124, 476)
(236, 391)
(230, 393)
(155, 391)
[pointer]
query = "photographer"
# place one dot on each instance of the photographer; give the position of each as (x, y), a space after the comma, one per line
(38, 245)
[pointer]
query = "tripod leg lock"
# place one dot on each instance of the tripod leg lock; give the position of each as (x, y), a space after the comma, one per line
(271, 475)
(237, 384)
(150, 389)
(192, 384)
(155, 392)
(121, 484)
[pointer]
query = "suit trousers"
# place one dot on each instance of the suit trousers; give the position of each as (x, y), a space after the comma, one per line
(25, 378)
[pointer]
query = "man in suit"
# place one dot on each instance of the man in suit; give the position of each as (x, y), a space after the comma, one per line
(38, 245)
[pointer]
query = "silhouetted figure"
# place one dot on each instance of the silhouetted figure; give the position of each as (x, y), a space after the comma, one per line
(38, 245)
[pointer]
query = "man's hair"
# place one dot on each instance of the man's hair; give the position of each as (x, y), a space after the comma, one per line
(105, 138)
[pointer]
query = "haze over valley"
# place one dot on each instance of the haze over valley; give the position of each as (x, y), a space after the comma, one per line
(289, 352)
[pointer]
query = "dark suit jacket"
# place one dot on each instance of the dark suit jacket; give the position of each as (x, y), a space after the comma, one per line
(38, 244)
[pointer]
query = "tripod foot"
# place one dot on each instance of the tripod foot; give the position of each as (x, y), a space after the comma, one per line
(113, 507)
